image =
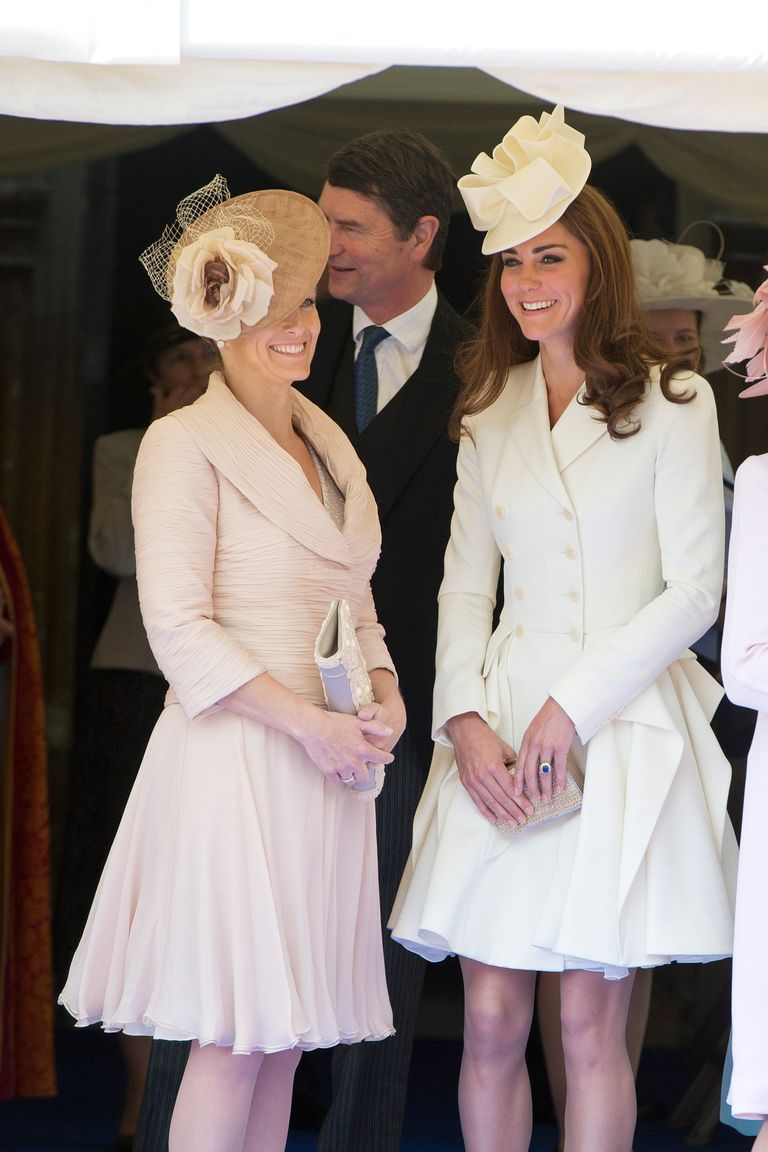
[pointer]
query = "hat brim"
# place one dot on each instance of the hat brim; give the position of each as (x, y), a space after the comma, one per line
(299, 247)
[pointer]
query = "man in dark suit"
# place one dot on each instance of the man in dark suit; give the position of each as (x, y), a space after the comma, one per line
(388, 199)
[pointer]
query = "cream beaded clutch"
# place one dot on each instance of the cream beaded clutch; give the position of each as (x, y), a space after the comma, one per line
(565, 803)
(346, 683)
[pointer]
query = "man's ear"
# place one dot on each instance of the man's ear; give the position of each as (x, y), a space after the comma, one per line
(422, 236)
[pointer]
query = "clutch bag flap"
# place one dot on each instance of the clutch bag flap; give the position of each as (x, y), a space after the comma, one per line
(344, 676)
(346, 683)
(563, 804)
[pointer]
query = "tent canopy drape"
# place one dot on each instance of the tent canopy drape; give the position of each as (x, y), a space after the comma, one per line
(446, 104)
(189, 61)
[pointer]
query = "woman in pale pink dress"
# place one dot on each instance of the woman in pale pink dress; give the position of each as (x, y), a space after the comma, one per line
(745, 674)
(239, 905)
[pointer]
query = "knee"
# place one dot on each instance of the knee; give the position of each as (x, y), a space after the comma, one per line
(496, 1027)
(590, 1036)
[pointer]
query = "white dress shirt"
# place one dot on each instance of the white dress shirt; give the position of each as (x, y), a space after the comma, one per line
(398, 357)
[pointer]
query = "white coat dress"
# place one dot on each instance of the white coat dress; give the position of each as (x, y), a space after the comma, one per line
(613, 561)
(745, 673)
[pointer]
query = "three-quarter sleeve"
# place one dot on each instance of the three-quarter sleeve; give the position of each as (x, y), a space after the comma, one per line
(175, 506)
(370, 636)
(744, 657)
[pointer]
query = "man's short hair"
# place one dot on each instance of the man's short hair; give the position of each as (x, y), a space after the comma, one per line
(406, 174)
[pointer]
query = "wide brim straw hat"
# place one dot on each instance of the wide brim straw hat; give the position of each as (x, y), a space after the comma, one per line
(679, 276)
(238, 264)
(537, 170)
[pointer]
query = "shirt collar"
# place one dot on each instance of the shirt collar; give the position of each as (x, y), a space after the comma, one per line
(410, 328)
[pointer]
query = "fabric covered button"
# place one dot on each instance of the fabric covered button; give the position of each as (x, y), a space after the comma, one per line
(574, 595)
(570, 552)
(519, 630)
(501, 512)
(519, 593)
(575, 634)
(568, 515)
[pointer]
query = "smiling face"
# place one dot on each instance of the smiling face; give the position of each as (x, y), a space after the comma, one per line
(369, 263)
(281, 353)
(544, 282)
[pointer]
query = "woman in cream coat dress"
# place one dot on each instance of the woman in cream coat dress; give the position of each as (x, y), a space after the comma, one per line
(239, 905)
(608, 521)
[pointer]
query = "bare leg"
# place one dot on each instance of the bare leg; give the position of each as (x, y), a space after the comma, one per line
(639, 1007)
(761, 1140)
(267, 1129)
(135, 1051)
(548, 1016)
(600, 1108)
(214, 1102)
(494, 1090)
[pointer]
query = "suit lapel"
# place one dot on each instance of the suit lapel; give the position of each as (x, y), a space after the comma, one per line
(396, 441)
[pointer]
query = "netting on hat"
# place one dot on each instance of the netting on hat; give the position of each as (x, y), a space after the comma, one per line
(208, 208)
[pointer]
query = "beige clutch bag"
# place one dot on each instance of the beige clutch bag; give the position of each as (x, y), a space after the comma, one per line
(564, 804)
(346, 683)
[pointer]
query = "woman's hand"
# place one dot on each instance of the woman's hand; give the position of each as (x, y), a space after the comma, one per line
(547, 740)
(343, 746)
(482, 758)
(388, 708)
(340, 746)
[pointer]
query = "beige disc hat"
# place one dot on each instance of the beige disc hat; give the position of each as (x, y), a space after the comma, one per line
(535, 173)
(672, 276)
(230, 265)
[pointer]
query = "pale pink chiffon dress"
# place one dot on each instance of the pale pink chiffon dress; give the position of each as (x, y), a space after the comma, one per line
(239, 904)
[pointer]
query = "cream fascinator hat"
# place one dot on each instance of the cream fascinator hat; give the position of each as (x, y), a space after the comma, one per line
(680, 276)
(751, 343)
(241, 264)
(534, 174)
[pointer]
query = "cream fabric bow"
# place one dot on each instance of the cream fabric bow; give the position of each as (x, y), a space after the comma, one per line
(535, 173)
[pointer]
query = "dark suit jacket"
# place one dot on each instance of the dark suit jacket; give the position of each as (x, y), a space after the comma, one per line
(411, 467)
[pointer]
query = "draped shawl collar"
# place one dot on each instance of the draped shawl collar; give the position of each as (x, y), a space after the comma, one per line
(242, 450)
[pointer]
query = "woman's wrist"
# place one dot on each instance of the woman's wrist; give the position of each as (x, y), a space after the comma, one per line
(456, 725)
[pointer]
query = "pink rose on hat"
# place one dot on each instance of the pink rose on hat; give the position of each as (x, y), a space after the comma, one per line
(239, 293)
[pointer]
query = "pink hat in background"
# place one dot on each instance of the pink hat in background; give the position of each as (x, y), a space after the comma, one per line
(750, 342)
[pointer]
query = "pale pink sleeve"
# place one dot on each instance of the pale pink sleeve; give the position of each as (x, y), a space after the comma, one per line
(370, 636)
(744, 658)
(175, 507)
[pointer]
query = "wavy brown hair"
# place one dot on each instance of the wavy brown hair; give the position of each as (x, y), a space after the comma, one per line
(611, 342)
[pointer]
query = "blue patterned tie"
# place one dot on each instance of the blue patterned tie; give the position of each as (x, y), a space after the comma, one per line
(367, 376)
